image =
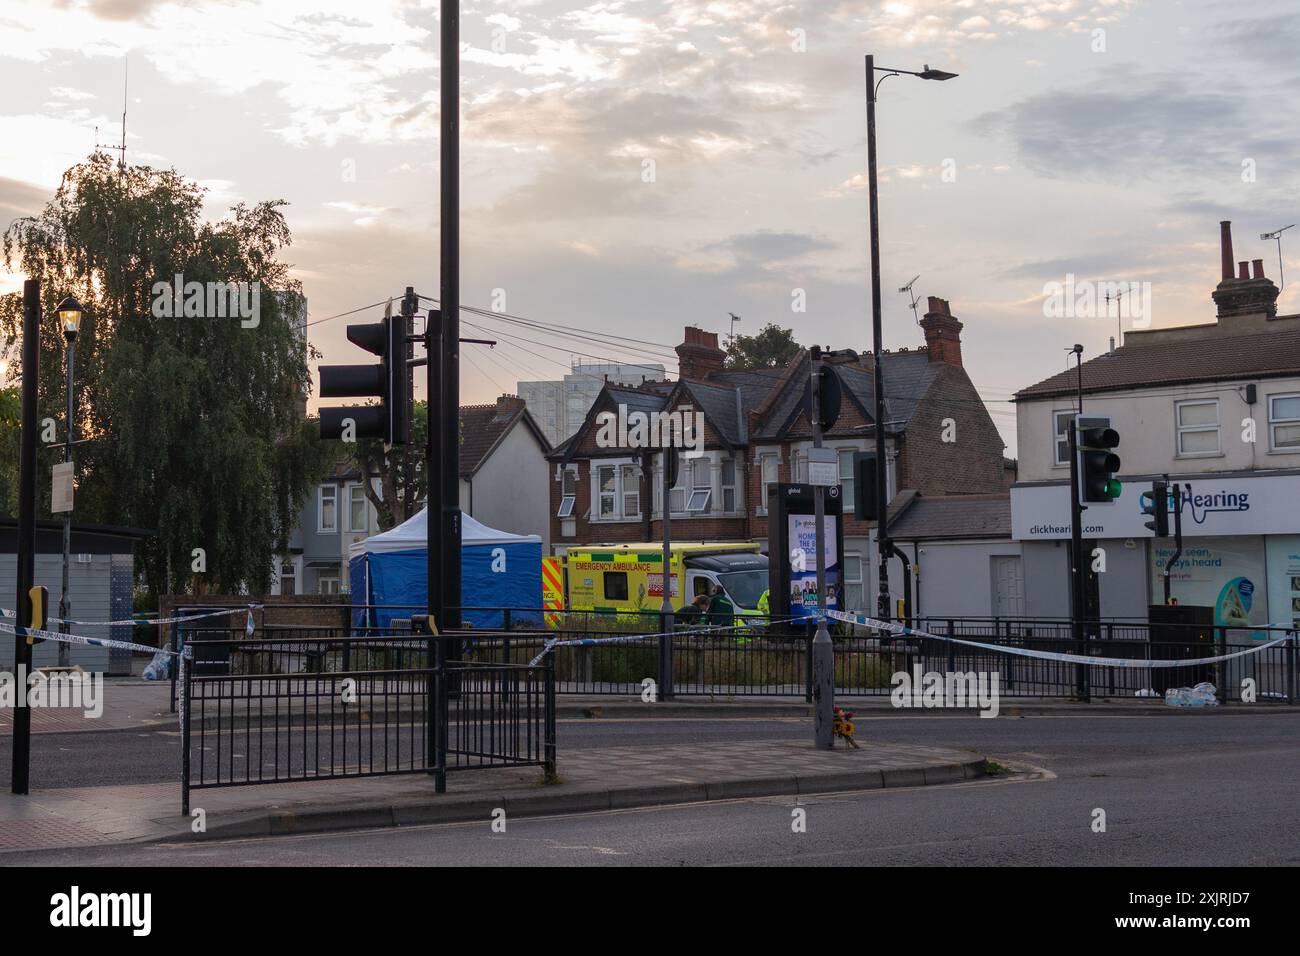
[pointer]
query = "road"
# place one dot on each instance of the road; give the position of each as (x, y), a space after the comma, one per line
(1181, 789)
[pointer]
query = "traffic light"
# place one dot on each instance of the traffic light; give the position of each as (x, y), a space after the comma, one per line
(1097, 463)
(864, 485)
(826, 412)
(1156, 503)
(388, 381)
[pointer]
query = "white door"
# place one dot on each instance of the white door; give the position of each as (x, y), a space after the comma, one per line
(1008, 586)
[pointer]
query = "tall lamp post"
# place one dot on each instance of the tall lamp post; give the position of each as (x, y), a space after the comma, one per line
(882, 498)
(70, 312)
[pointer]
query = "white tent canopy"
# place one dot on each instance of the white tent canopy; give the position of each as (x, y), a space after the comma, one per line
(413, 534)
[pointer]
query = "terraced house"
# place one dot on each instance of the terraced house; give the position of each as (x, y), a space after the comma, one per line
(940, 440)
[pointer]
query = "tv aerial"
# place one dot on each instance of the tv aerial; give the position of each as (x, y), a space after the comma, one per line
(908, 289)
(1277, 234)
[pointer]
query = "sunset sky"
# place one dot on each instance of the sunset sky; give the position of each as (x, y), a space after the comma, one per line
(1110, 164)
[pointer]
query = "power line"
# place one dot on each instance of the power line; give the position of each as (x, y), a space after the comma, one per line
(551, 326)
(330, 318)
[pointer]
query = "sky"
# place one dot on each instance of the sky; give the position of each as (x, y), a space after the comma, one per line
(630, 168)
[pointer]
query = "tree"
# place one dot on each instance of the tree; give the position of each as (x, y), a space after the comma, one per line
(397, 499)
(193, 424)
(10, 419)
(772, 347)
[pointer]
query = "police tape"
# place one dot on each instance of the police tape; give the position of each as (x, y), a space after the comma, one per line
(904, 631)
(5, 612)
(36, 632)
(623, 638)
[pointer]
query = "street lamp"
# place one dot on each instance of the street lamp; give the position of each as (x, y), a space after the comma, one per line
(882, 498)
(70, 312)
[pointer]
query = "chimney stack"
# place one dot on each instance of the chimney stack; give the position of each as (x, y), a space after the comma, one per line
(509, 404)
(699, 355)
(1246, 293)
(1225, 247)
(942, 332)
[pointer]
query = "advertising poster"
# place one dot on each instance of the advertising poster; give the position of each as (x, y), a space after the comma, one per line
(1226, 574)
(1284, 580)
(803, 583)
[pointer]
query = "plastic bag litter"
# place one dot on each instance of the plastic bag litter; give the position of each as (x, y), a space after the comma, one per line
(1202, 695)
(160, 668)
(1147, 692)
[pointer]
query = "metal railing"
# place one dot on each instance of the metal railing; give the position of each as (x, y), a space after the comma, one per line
(313, 707)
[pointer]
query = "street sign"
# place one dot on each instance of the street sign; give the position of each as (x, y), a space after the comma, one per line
(61, 489)
(823, 467)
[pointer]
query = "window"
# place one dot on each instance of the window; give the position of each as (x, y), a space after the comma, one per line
(1198, 427)
(288, 583)
(607, 489)
(797, 468)
(677, 493)
(631, 478)
(568, 493)
(1284, 422)
(701, 487)
(328, 584)
(727, 484)
(846, 479)
(1063, 421)
(357, 508)
(327, 519)
(852, 582)
(769, 466)
(615, 585)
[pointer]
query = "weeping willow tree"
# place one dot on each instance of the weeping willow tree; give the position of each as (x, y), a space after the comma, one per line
(193, 422)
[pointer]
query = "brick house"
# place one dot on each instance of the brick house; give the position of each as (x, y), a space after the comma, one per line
(940, 440)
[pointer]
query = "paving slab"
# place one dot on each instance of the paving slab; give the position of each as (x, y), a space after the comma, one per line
(589, 780)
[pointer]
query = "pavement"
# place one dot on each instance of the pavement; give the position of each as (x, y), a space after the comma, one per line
(600, 779)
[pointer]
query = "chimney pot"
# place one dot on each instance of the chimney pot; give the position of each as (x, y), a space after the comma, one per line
(1257, 266)
(1243, 270)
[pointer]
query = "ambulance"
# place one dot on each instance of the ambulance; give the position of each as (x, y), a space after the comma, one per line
(628, 578)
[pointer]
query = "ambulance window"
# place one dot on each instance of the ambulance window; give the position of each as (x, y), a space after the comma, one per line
(701, 586)
(615, 585)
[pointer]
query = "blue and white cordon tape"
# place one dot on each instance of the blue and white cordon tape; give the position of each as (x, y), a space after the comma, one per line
(904, 631)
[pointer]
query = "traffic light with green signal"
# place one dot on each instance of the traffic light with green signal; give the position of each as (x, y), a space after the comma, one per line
(1097, 462)
(1156, 504)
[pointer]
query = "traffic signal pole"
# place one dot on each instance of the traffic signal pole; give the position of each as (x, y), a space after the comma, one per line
(823, 652)
(1077, 609)
(22, 732)
(448, 510)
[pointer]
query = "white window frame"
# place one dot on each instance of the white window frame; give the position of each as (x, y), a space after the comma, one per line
(321, 580)
(568, 499)
(701, 495)
(629, 471)
(1180, 429)
(847, 582)
(734, 487)
(764, 459)
(321, 527)
(1273, 422)
(355, 490)
(619, 492)
(848, 487)
(1060, 436)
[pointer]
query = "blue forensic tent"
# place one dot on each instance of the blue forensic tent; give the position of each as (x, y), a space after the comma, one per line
(498, 570)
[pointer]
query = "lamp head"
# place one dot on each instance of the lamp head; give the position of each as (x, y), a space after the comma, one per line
(929, 74)
(70, 312)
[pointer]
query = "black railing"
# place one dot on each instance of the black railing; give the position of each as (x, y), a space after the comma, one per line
(312, 707)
